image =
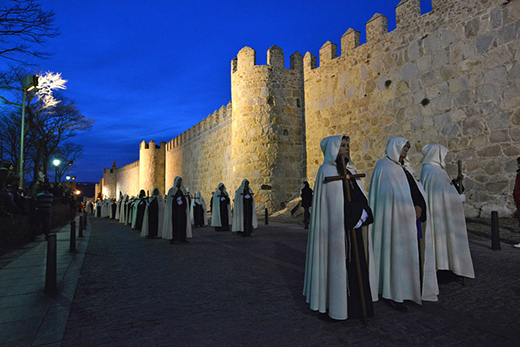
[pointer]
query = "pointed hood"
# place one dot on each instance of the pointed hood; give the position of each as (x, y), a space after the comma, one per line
(394, 147)
(434, 154)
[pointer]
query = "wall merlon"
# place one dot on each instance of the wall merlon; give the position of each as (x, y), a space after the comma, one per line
(222, 112)
(246, 59)
(143, 145)
(296, 62)
(275, 57)
(407, 11)
(309, 62)
(350, 40)
(376, 28)
(328, 52)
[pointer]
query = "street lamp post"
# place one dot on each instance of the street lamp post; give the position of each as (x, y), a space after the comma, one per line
(29, 82)
(56, 163)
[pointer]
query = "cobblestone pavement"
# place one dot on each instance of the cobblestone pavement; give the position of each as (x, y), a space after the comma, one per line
(224, 290)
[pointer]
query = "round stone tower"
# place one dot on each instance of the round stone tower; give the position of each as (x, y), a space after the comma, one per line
(267, 125)
(151, 166)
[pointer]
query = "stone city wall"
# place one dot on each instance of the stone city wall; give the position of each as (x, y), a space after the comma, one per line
(151, 166)
(267, 143)
(201, 155)
(127, 180)
(450, 76)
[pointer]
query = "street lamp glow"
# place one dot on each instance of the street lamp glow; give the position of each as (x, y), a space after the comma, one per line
(56, 162)
(67, 178)
(78, 192)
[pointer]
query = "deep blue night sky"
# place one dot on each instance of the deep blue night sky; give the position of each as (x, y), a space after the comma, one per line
(149, 70)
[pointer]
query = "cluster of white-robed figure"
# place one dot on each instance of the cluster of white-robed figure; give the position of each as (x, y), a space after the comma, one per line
(242, 218)
(404, 246)
(173, 217)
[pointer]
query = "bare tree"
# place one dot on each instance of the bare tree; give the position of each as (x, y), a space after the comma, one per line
(51, 128)
(68, 153)
(23, 25)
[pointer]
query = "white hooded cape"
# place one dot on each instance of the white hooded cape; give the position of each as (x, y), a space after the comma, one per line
(447, 214)
(238, 209)
(160, 207)
(122, 214)
(325, 284)
(167, 232)
(118, 206)
(215, 207)
(199, 200)
(396, 271)
(135, 208)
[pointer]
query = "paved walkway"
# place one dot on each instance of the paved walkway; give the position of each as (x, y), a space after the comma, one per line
(28, 317)
(225, 290)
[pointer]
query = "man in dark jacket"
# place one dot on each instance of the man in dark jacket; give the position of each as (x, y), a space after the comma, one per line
(306, 203)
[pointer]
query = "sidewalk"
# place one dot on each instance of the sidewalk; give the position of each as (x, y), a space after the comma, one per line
(28, 317)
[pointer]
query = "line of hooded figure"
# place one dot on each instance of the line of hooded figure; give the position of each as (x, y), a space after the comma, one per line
(388, 244)
(173, 216)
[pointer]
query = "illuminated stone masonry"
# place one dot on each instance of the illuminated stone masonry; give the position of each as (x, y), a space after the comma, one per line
(449, 76)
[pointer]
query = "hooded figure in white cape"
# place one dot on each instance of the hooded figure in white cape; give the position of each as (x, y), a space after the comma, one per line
(398, 266)
(331, 281)
(105, 208)
(198, 211)
(138, 211)
(446, 213)
(244, 211)
(118, 206)
(153, 216)
(221, 219)
(122, 213)
(176, 195)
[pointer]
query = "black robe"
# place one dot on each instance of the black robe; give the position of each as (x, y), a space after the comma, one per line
(198, 214)
(141, 207)
(224, 214)
(179, 220)
(352, 213)
(113, 207)
(248, 212)
(153, 218)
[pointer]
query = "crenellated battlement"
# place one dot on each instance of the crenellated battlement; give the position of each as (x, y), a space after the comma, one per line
(208, 124)
(246, 60)
(151, 145)
(406, 12)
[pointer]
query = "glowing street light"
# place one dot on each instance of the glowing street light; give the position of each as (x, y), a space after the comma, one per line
(29, 82)
(56, 163)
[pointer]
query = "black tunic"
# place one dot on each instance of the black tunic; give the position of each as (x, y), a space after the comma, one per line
(248, 212)
(198, 214)
(141, 207)
(153, 218)
(224, 215)
(179, 220)
(352, 213)
(114, 206)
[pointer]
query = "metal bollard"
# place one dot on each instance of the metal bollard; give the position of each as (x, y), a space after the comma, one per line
(84, 220)
(72, 248)
(266, 217)
(80, 231)
(51, 269)
(495, 233)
